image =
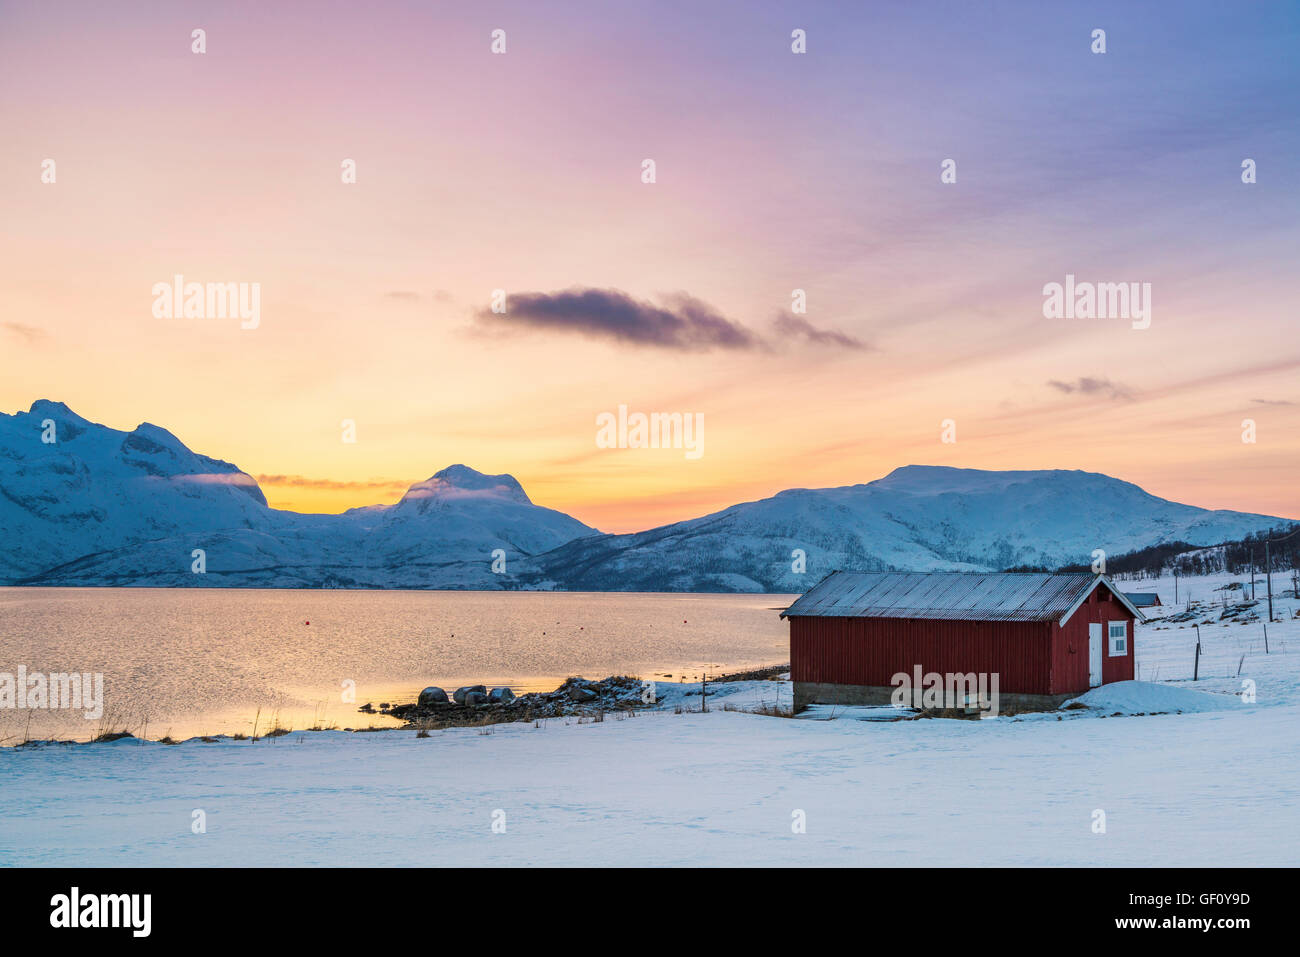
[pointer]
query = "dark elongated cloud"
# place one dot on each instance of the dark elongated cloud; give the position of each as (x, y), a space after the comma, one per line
(789, 326)
(681, 322)
(1092, 385)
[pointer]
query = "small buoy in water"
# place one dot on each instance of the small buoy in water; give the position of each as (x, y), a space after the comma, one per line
(306, 623)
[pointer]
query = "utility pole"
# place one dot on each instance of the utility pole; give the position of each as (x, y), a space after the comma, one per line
(704, 688)
(1268, 565)
(1268, 575)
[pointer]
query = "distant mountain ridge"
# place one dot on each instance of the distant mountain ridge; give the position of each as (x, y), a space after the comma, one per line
(917, 518)
(98, 506)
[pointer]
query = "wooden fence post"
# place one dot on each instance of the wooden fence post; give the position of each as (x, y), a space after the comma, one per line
(1196, 668)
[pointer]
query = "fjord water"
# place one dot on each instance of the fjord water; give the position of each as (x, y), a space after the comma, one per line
(186, 662)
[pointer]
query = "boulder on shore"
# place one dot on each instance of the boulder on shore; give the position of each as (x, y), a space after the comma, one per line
(433, 695)
(575, 696)
(459, 694)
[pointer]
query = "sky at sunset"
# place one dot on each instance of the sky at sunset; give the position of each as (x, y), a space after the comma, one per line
(774, 171)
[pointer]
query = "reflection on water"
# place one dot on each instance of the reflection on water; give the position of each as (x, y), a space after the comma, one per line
(208, 661)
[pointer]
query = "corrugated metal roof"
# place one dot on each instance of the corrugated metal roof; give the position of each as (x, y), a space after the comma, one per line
(1143, 599)
(965, 596)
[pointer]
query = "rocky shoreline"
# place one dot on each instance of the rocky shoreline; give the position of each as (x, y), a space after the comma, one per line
(476, 704)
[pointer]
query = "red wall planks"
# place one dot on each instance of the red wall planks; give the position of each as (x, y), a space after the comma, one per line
(870, 651)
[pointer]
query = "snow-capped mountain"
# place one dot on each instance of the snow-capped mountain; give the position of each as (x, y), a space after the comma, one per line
(69, 487)
(83, 504)
(469, 513)
(917, 518)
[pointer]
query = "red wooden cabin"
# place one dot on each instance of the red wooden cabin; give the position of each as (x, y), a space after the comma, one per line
(1048, 637)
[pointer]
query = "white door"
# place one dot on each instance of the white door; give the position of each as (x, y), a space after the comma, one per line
(1094, 654)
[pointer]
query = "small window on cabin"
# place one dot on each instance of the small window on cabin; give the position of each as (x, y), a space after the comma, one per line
(1118, 639)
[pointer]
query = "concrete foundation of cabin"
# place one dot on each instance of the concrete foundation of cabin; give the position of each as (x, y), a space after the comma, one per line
(813, 692)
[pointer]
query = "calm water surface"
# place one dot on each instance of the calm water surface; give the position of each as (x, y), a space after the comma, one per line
(204, 661)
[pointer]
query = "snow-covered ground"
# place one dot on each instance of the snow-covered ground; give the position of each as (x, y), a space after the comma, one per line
(1217, 784)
